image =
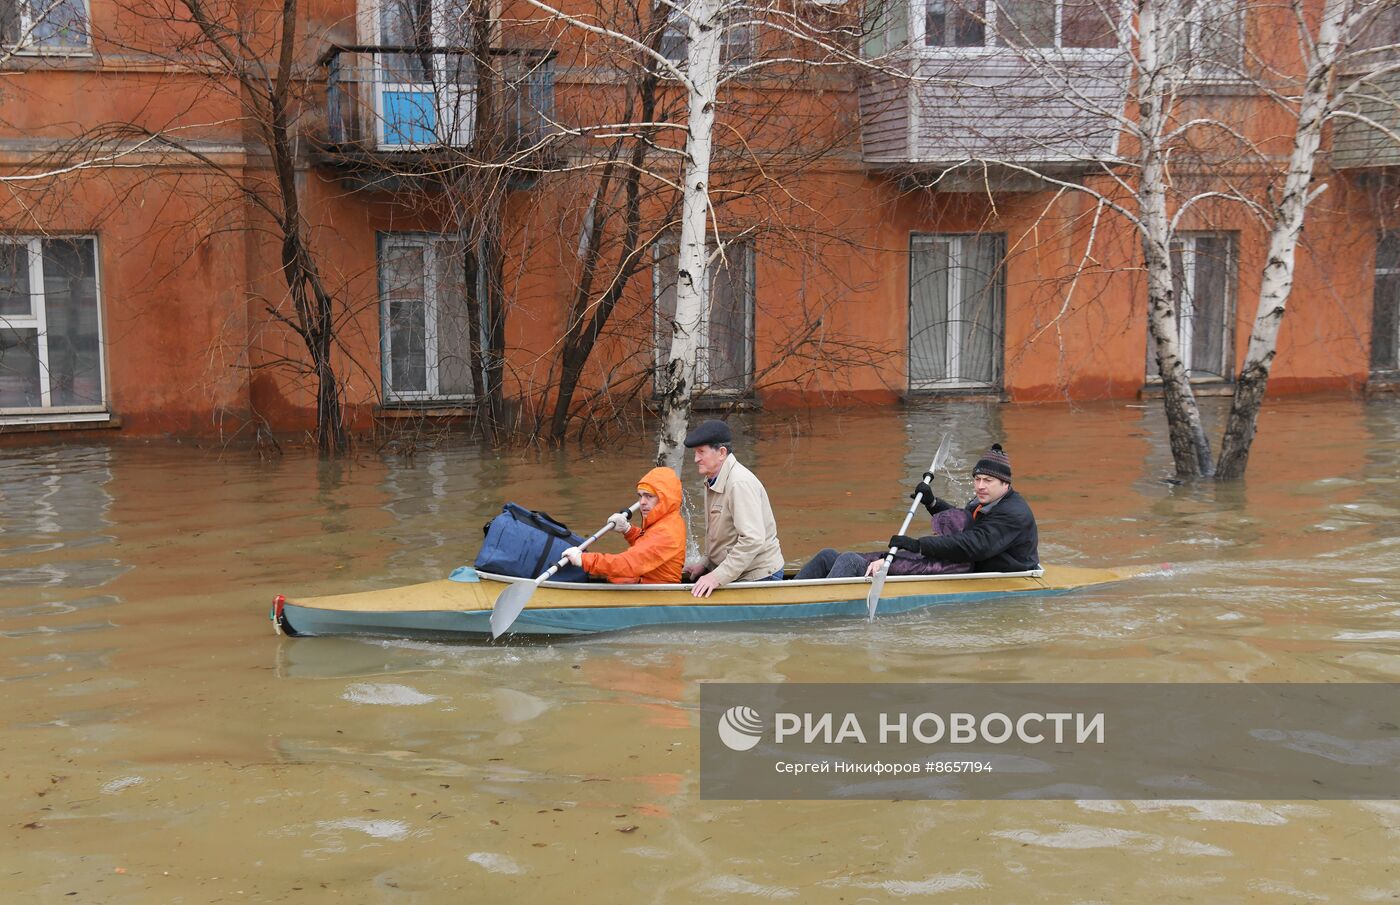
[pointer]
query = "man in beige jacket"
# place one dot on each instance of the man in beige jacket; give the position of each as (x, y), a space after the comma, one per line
(741, 535)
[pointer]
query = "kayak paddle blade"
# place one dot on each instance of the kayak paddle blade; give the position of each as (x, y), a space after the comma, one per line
(941, 456)
(509, 605)
(877, 584)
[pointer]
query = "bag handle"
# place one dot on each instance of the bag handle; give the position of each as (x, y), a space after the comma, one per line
(549, 523)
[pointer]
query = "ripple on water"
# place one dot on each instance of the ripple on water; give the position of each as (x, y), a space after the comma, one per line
(1090, 837)
(58, 607)
(393, 830)
(731, 885)
(387, 694)
(118, 785)
(939, 883)
(1250, 812)
(496, 863)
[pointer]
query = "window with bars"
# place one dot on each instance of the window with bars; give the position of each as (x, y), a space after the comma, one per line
(425, 322)
(51, 351)
(957, 292)
(724, 365)
(1203, 280)
(45, 26)
(1385, 302)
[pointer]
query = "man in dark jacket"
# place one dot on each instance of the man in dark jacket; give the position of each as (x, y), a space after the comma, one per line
(1001, 537)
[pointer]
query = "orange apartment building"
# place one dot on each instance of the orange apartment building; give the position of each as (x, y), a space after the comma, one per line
(876, 258)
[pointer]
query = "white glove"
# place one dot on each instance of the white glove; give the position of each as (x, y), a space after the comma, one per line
(574, 555)
(618, 522)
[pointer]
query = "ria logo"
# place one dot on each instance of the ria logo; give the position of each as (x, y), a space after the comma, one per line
(740, 728)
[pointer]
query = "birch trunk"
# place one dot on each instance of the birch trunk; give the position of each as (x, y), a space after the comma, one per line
(677, 382)
(1277, 281)
(1191, 452)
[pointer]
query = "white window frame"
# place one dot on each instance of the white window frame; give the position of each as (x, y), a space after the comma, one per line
(918, 36)
(28, 23)
(37, 319)
(454, 103)
(1393, 367)
(433, 244)
(953, 359)
(878, 42)
(1186, 309)
(668, 247)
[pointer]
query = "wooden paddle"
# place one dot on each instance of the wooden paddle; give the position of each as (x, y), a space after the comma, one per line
(512, 600)
(877, 581)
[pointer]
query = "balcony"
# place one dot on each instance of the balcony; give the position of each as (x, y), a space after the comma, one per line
(970, 94)
(1363, 136)
(409, 112)
(1363, 139)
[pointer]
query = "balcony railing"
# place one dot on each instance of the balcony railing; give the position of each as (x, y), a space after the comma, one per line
(393, 99)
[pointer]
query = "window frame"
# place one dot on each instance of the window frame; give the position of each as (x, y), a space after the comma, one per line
(24, 43)
(1200, 70)
(432, 244)
(917, 29)
(38, 320)
(674, 45)
(1185, 319)
(1389, 369)
(456, 97)
(952, 355)
(668, 246)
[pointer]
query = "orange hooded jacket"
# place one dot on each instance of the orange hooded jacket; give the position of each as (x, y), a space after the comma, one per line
(657, 548)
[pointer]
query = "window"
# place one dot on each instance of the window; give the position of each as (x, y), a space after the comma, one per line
(724, 365)
(1208, 40)
(1385, 312)
(45, 26)
(1203, 279)
(1379, 37)
(950, 23)
(424, 98)
(956, 299)
(1021, 23)
(425, 324)
(50, 326)
(886, 26)
(736, 37)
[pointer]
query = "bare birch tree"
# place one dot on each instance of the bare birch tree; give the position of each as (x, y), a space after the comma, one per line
(1182, 158)
(707, 28)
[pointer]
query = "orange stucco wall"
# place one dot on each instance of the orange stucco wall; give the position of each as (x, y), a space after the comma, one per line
(191, 287)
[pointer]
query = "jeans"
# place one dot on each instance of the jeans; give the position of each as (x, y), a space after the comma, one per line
(831, 563)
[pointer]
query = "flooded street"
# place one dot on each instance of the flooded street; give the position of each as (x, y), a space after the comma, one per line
(160, 744)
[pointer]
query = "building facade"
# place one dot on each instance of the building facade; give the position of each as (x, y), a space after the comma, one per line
(918, 224)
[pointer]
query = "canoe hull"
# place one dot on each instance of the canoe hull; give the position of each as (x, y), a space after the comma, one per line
(461, 609)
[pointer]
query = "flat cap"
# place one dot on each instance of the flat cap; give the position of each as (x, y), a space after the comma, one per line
(708, 433)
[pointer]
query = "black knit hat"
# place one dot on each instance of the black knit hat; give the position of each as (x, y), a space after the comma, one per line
(994, 463)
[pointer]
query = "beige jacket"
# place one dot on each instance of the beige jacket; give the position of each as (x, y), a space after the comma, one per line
(741, 535)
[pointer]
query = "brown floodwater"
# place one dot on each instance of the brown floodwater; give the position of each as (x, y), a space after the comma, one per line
(159, 743)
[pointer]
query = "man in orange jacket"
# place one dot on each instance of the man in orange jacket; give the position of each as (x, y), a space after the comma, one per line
(657, 546)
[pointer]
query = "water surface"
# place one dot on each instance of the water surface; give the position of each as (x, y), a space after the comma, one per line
(160, 744)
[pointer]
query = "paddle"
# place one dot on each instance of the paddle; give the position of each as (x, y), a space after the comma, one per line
(877, 581)
(512, 600)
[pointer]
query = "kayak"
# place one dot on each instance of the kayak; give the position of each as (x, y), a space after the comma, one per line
(459, 607)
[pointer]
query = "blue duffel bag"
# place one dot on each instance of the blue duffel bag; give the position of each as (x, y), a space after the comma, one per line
(524, 543)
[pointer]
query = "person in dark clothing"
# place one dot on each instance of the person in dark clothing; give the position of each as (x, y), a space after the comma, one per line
(1002, 536)
(832, 563)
